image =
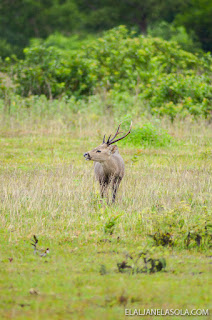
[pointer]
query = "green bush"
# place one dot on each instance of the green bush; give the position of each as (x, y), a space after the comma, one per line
(62, 42)
(172, 230)
(6, 49)
(148, 135)
(170, 32)
(174, 94)
(163, 78)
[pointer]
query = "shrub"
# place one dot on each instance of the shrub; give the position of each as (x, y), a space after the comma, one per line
(180, 228)
(6, 49)
(170, 32)
(148, 135)
(164, 78)
(176, 93)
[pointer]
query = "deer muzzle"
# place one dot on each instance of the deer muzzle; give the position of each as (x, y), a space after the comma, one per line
(87, 156)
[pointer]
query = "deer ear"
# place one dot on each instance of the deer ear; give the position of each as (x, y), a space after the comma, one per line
(113, 149)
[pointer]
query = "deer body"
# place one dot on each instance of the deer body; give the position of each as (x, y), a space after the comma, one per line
(110, 172)
(108, 165)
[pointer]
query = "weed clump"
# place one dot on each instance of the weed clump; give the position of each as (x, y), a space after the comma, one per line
(173, 230)
(110, 225)
(149, 135)
(142, 263)
(162, 239)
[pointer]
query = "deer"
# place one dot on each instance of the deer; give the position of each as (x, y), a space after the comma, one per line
(108, 164)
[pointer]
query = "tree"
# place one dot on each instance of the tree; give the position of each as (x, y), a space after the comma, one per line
(198, 17)
(21, 20)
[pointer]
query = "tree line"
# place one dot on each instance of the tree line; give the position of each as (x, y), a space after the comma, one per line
(21, 20)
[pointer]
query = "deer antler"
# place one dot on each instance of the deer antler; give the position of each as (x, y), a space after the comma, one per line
(117, 132)
(108, 140)
(111, 141)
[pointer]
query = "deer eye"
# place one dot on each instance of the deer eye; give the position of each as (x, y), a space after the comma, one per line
(98, 151)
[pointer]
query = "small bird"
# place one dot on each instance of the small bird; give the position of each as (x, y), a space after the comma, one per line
(34, 243)
(40, 252)
(43, 253)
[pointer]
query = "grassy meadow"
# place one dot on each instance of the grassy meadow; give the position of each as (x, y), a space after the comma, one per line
(163, 208)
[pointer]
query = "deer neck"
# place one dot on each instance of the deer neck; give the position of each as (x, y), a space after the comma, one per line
(109, 166)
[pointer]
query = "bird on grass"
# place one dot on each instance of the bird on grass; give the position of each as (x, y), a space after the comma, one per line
(40, 252)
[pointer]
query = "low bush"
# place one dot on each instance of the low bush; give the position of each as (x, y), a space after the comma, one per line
(148, 135)
(175, 228)
(170, 32)
(165, 79)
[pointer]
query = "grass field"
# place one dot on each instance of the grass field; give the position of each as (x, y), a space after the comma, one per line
(47, 189)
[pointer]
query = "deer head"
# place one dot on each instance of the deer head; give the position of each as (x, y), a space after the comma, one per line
(106, 149)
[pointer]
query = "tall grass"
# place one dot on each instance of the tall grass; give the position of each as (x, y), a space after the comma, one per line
(45, 181)
(47, 189)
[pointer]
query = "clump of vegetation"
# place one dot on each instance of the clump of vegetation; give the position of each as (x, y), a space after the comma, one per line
(165, 79)
(110, 224)
(179, 34)
(180, 94)
(142, 263)
(148, 135)
(199, 235)
(162, 238)
(173, 231)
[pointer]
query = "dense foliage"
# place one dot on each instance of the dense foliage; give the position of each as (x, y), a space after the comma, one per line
(31, 18)
(163, 77)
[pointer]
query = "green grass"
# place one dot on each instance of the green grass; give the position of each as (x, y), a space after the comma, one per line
(48, 189)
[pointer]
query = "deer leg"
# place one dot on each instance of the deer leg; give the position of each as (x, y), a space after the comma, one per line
(115, 188)
(103, 189)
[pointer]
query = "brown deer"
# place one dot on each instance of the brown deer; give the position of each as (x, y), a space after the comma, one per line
(108, 164)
